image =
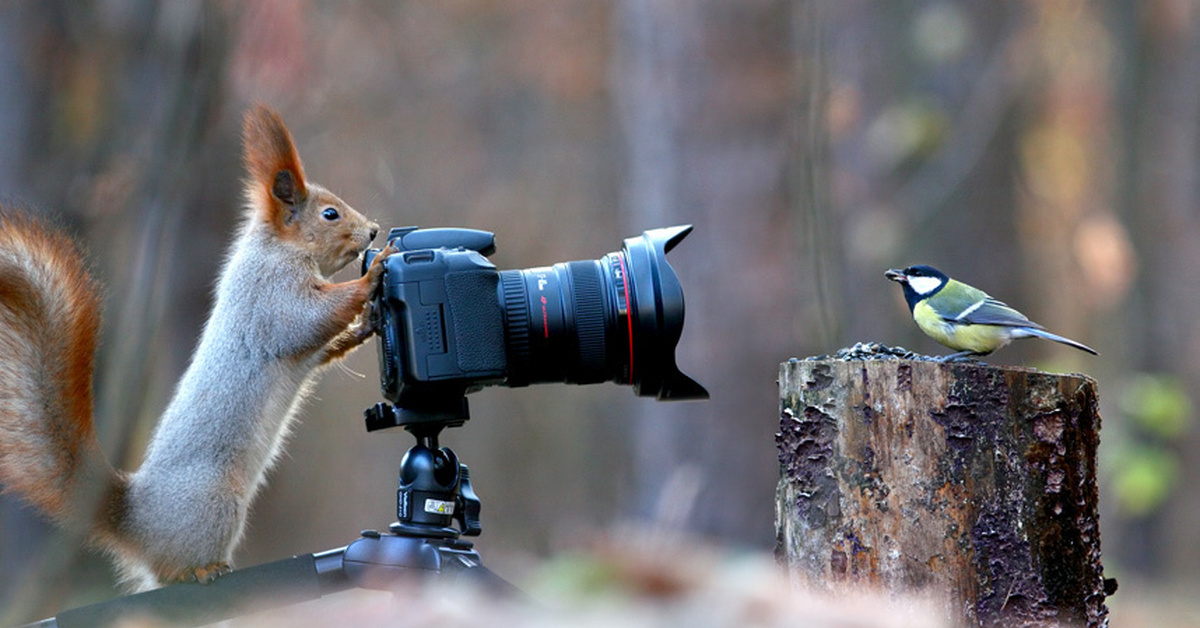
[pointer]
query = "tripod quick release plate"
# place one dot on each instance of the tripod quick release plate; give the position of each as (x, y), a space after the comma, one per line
(452, 413)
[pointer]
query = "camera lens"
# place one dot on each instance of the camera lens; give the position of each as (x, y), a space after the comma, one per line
(615, 319)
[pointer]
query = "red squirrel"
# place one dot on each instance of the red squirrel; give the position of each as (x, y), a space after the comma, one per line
(276, 320)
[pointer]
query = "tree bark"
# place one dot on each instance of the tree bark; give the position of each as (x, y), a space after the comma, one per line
(969, 483)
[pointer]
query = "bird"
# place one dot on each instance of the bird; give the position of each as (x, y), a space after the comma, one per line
(963, 317)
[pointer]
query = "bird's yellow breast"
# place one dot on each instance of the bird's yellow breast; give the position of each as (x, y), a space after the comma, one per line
(957, 336)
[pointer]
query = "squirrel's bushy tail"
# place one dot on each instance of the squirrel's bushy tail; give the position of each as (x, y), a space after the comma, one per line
(49, 328)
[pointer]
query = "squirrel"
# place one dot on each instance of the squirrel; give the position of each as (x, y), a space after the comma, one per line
(275, 321)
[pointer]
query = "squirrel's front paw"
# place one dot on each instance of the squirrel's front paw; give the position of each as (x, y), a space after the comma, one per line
(365, 324)
(375, 271)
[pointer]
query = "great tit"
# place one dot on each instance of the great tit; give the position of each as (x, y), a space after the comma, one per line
(965, 318)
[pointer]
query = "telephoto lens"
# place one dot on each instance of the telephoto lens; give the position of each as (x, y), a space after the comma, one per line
(617, 318)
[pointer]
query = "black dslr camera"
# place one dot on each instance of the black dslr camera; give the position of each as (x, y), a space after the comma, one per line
(450, 323)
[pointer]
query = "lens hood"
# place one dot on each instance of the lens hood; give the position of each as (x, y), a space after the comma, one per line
(656, 316)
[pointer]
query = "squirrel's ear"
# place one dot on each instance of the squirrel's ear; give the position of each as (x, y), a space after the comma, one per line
(276, 176)
(284, 187)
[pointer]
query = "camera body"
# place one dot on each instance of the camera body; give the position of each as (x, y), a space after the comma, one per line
(450, 323)
(438, 318)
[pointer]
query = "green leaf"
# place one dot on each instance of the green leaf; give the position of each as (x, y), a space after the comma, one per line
(1144, 479)
(1158, 404)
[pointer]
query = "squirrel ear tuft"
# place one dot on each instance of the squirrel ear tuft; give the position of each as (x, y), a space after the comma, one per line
(275, 174)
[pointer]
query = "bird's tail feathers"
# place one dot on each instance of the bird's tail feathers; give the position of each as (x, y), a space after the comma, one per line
(1042, 333)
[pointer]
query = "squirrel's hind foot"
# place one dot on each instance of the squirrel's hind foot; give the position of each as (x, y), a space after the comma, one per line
(203, 575)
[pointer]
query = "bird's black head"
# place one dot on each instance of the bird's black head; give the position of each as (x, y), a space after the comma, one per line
(919, 282)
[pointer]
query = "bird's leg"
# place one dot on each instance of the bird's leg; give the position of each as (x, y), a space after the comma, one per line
(961, 356)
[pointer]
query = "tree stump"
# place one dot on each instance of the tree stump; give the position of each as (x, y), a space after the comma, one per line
(969, 483)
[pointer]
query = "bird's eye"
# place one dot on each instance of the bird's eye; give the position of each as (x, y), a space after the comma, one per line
(330, 213)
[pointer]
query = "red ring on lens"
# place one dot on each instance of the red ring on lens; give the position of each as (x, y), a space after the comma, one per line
(628, 312)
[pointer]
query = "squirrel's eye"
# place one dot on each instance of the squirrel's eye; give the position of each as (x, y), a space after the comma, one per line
(330, 213)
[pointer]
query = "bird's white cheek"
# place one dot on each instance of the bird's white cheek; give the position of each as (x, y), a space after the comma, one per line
(924, 285)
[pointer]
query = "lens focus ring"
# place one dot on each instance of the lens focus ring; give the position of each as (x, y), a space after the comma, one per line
(586, 291)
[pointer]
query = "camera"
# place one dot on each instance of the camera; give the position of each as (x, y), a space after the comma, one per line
(450, 323)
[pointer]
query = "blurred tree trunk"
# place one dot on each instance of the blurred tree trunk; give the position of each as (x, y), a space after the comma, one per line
(809, 170)
(707, 143)
(23, 533)
(1073, 248)
(117, 149)
(657, 46)
(1161, 140)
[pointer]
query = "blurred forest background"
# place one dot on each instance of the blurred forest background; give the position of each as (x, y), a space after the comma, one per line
(1045, 150)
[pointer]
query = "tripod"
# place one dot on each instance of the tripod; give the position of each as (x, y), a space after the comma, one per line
(434, 493)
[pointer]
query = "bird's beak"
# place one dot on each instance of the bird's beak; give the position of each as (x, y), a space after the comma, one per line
(896, 275)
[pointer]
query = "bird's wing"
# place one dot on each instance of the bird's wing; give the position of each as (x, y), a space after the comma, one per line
(989, 311)
(972, 306)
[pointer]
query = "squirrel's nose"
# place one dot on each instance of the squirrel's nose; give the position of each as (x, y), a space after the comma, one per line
(374, 231)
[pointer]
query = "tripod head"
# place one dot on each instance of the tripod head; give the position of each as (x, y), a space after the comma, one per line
(435, 488)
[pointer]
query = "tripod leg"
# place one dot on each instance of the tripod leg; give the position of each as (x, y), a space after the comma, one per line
(465, 566)
(277, 584)
(489, 581)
